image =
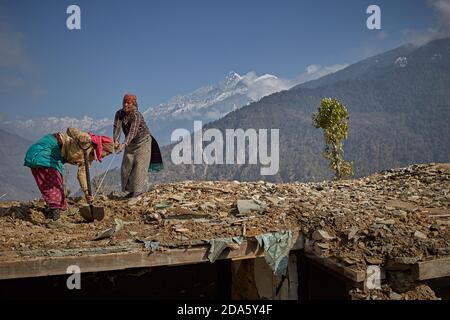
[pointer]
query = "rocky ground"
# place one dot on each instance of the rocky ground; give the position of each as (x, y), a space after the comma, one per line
(419, 292)
(395, 214)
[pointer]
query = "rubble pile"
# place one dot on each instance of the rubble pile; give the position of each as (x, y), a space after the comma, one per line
(419, 292)
(400, 215)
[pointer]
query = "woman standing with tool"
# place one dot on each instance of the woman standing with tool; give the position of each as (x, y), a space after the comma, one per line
(47, 156)
(138, 147)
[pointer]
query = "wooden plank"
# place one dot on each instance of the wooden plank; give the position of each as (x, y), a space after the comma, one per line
(432, 269)
(79, 251)
(353, 275)
(293, 277)
(57, 265)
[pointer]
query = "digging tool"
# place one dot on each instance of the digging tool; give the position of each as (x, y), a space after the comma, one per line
(91, 212)
(104, 175)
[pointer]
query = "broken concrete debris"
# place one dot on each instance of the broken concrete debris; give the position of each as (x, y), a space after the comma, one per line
(352, 232)
(394, 214)
(111, 231)
(417, 292)
(248, 206)
(163, 205)
(420, 235)
(134, 201)
(322, 235)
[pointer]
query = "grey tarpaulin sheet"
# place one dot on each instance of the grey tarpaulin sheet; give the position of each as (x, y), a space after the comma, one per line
(220, 244)
(149, 244)
(276, 248)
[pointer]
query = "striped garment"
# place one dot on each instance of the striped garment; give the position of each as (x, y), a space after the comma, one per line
(133, 126)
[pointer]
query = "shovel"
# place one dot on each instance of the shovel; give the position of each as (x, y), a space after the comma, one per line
(91, 212)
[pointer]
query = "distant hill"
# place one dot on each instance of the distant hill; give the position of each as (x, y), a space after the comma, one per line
(16, 181)
(367, 68)
(399, 106)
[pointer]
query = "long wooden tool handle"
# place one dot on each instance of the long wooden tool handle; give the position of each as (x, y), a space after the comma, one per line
(88, 177)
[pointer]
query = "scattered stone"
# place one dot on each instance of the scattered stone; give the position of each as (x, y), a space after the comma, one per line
(273, 200)
(154, 216)
(421, 292)
(322, 235)
(352, 232)
(395, 296)
(177, 198)
(400, 214)
(443, 223)
(134, 201)
(349, 261)
(163, 205)
(247, 206)
(223, 214)
(208, 205)
(111, 231)
(382, 221)
(420, 235)
(323, 245)
(373, 261)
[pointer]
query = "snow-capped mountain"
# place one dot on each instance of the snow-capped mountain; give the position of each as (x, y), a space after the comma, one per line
(214, 101)
(211, 102)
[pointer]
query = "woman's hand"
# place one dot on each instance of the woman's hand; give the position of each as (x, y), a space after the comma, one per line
(89, 199)
(119, 147)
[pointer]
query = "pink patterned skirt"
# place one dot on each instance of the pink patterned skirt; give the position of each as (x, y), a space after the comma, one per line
(50, 183)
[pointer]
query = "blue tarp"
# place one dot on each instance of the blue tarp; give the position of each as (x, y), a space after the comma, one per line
(276, 248)
(218, 245)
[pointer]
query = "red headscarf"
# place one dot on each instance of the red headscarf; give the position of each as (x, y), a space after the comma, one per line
(130, 98)
(99, 141)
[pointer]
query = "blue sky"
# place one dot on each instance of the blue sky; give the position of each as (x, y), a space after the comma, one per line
(158, 49)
